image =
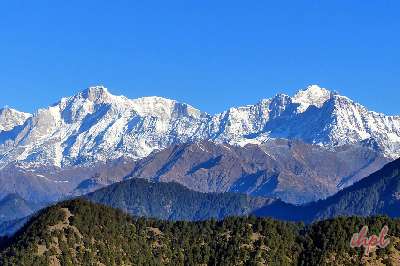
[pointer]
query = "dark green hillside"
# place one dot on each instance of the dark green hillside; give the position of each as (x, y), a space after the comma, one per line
(78, 232)
(328, 242)
(81, 233)
(172, 201)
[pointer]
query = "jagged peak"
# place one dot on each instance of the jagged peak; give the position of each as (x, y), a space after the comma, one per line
(144, 106)
(312, 95)
(96, 93)
(93, 95)
(102, 94)
(149, 104)
(314, 88)
(8, 110)
(281, 100)
(281, 97)
(154, 99)
(9, 118)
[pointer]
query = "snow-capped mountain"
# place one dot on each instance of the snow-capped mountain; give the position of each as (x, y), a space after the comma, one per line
(10, 118)
(314, 115)
(95, 125)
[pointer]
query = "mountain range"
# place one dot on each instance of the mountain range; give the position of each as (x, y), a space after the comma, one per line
(293, 171)
(95, 126)
(285, 150)
(290, 170)
(377, 194)
(79, 232)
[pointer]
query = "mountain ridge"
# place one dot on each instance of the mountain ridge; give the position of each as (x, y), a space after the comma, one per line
(289, 170)
(376, 194)
(174, 202)
(95, 125)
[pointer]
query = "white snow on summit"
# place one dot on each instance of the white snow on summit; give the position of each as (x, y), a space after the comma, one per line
(10, 118)
(313, 95)
(95, 125)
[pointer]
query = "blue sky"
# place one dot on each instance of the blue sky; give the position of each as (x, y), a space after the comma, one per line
(211, 54)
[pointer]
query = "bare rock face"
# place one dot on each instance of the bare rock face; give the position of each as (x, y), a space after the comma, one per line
(294, 171)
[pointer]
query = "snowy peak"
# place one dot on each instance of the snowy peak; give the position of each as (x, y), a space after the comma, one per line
(144, 106)
(154, 105)
(96, 94)
(10, 118)
(279, 104)
(313, 95)
(93, 96)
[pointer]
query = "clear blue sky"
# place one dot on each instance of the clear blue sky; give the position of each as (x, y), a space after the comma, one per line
(211, 54)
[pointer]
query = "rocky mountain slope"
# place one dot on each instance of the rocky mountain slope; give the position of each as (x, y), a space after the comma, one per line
(377, 194)
(290, 170)
(46, 184)
(13, 207)
(95, 125)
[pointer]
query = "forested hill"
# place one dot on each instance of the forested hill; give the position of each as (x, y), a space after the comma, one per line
(172, 201)
(78, 232)
(81, 233)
